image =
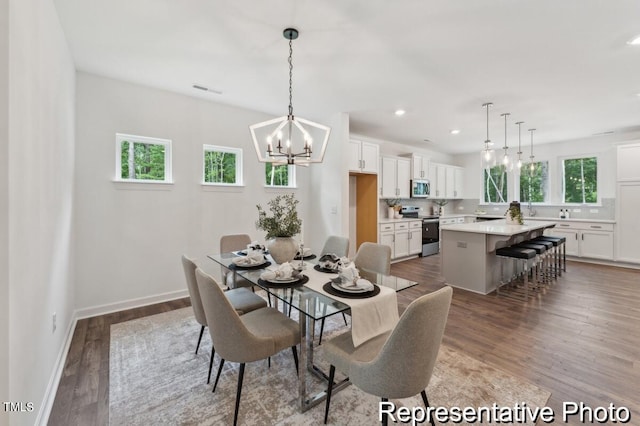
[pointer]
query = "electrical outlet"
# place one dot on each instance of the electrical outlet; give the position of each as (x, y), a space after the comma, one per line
(334, 209)
(53, 322)
(577, 210)
(593, 211)
(495, 209)
(460, 207)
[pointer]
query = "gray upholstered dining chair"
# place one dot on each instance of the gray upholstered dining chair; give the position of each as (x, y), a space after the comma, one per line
(374, 258)
(336, 245)
(241, 299)
(229, 243)
(251, 337)
(399, 363)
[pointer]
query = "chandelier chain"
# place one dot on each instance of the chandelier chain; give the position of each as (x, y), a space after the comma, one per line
(290, 77)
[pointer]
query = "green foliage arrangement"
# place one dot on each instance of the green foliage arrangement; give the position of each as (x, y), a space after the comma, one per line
(284, 221)
(515, 214)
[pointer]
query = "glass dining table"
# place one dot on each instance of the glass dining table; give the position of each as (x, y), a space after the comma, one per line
(311, 306)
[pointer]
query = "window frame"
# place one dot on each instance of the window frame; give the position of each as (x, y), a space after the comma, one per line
(239, 164)
(123, 137)
(561, 161)
(525, 167)
(482, 187)
(291, 176)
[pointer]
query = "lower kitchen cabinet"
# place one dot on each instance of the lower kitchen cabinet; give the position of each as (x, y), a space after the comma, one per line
(586, 239)
(404, 238)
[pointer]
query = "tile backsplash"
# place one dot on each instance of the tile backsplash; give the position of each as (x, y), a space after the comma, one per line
(606, 211)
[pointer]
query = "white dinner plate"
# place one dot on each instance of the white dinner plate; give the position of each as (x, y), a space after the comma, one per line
(349, 289)
(284, 280)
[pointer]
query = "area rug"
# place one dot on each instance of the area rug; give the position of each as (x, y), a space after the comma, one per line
(155, 378)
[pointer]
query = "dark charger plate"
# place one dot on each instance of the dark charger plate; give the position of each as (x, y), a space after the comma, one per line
(303, 280)
(348, 295)
(233, 266)
(308, 257)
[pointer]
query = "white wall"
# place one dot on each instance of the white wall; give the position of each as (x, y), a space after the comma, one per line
(130, 236)
(4, 206)
(603, 148)
(41, 167)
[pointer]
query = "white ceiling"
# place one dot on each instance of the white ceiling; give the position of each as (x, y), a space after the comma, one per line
(561, 66)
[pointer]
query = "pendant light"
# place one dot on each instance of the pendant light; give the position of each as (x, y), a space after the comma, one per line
(519, 163)
(532, 165)
(289, 139)
(488, 154)
(506, 161)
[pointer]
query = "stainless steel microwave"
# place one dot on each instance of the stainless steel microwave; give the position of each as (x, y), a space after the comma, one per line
(420, 188)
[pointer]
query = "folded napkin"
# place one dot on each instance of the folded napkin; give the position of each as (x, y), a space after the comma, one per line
(282, 272)
(332, 261)
(359, 284)
(252, 258)
(349, 275)
(255, 246)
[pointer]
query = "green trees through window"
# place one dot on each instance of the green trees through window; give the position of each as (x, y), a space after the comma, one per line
(580, 180)
(495, 184)
(534, 182)
(222, 165)
(142, 161)
(277, 175)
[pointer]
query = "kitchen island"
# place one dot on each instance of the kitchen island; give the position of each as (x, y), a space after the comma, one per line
(468, 251)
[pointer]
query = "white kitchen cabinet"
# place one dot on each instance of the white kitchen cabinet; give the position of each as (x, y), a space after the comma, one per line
(446, 181)
(363, 156)
(628, 225)
(419, 167)
(415, 237)
(586, 239)
(396, 177)
(403, 237)
(628, 160)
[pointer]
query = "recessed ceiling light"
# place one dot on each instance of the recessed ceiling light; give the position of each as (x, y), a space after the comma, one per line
(634, 41)
(455, 131)
(400, 112)
(206, 89)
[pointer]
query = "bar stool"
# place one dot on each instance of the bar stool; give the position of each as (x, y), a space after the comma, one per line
(516, 253)
(541, 256)
(560, 252)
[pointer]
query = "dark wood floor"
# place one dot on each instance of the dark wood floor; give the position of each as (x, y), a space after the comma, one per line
(579, 339)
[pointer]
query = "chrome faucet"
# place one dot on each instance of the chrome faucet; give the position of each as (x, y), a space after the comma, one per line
(531, 211)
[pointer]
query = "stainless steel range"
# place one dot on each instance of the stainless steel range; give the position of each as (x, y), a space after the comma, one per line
(430, 229)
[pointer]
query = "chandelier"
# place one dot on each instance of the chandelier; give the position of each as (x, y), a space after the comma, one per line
(289, 139)
(488, 154)
(506, 161)
(532, 165)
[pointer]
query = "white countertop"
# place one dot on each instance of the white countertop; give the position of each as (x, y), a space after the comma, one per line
(386, 220)
(552, 219)
(498, 227)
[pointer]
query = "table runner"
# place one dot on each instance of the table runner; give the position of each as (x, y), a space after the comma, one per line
(370, 317)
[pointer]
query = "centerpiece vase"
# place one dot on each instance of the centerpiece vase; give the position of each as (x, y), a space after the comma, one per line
(282, 249)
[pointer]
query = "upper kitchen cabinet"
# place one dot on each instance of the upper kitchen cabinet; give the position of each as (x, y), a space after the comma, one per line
(363, 157)
(446, 181)
(628, 160)
(419, 167)
(396, 177)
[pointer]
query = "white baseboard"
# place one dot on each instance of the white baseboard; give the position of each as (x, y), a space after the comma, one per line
(130, 304)
(54, 380)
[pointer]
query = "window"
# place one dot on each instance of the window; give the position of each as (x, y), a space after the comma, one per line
(142, 159)
(495, 185)
(222, 165)
(580, 180)
(280, 175)
(534, 182)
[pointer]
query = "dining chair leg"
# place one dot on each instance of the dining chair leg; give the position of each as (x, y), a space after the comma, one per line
(294, 349)
(344, 317)
(218, 375)
(426, 404)
(269, 362)
(290, 301)
(199, 339)
(384, 414)
(332, 373)
(238, 393)
(213, 352)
